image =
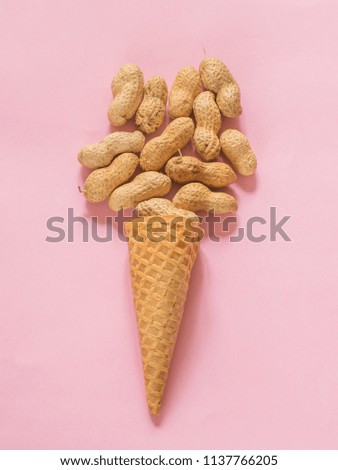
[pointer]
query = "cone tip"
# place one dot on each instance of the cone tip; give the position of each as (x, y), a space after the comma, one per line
(154, 408)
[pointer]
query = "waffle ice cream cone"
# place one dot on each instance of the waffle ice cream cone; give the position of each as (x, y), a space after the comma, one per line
(160, 267)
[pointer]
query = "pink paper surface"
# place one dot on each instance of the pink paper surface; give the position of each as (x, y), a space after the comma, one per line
(256, 359)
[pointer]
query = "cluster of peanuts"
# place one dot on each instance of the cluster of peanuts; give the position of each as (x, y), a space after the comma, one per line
(147, 102)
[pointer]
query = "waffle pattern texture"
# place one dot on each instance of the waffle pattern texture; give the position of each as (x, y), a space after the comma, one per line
(160, 272)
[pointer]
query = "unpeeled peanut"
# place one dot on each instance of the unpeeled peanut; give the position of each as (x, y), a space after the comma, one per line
(237, 149)
(208, 123)
(186, 87)
(151, 112)
(101, 154)
(159, 206)
(127, 89)
(100, 183)
(217, 78)
(158, 150)
(195, 197)
(143, 186)
(187, 169)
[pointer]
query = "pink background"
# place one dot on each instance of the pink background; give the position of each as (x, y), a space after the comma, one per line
(256, 360)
